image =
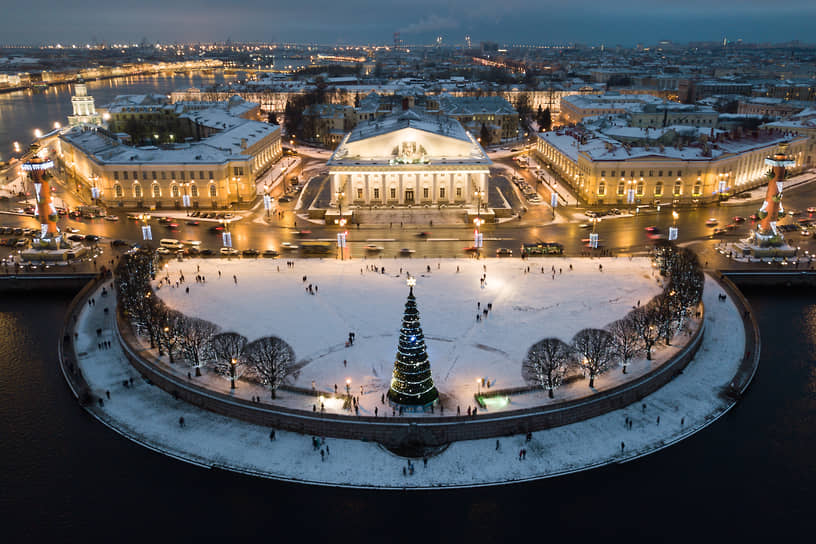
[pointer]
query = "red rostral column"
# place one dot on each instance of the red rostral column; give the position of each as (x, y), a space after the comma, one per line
(769, 212)
(37, 168)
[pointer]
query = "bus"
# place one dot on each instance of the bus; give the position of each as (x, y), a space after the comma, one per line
(542, 248)
(312, 247)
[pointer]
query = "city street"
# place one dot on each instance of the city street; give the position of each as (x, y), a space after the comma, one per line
(624, 233)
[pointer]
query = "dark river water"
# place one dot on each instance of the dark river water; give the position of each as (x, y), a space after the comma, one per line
(750, 476)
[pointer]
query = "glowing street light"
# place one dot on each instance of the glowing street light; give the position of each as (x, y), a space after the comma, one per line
(37, 133)
(57, 125)
(233, 362)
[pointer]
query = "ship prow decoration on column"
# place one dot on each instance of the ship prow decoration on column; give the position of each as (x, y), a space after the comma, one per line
(412, 384)
(767, 236)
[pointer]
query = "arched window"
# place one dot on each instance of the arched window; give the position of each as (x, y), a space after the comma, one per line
(697, 188)
(156, 190)
(659, 188)
(621, 188)
(137, 190)
(194, 190)
(639, 190)
(602, 188)
(678, 188)
(213, 192)
(117, 191)
(174, 191)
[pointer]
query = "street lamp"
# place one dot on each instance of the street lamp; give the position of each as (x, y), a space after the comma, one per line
(348, 388)
(479, 386)
(339, 196)
(233, 362)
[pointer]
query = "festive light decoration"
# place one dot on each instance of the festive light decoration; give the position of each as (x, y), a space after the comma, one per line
(412, 383)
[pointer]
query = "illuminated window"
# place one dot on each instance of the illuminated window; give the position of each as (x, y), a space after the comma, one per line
(678, 187)
(425, 192)
(696, 191)
(212, 190)
(174, 191)
(376, 193)
(156, 190)
(458, 192)
(602, 188)
(621, 188)
(117, 190)
(441, 192)
(393, 192)
(659, 188)
(194, 190)
(137, 190)
(359, 193)
(639, 190)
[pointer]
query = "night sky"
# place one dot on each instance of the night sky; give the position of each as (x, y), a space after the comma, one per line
(624, 22)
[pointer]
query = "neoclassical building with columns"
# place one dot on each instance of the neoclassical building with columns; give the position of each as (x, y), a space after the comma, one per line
(406, 159)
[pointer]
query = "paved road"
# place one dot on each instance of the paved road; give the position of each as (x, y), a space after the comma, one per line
(616, 233)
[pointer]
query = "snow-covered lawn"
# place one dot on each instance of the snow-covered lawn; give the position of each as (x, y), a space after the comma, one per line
(271, 298)
(150, 416)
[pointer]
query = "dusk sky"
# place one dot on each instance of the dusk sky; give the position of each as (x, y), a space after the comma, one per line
(624, 22)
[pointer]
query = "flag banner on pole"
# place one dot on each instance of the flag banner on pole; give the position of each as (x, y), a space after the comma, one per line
(227, 239)
(146, 233)
(672, 233)
(593, 240)
(185, 200)
(554, 199)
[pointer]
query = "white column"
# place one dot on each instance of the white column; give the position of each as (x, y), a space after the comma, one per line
(401, 195)
(367, 198)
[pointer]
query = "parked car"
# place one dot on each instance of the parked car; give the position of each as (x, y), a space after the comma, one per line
(504, 252)
(373, 247)
(206, 252)
(407, 251)
(163, 251)
(270, 253)
(76, 237)
(111, 218)
(228, 251)
(285, 199)
(191, 242)
(91, 238)
(250, 253)
(71, 230)
(119, 243)
(711, 222)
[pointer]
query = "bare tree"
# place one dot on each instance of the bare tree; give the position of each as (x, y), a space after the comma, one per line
(270, 359)
(195, 341)
(173, 327)
(625, 340)
(594, 348)
(644, 319)
(228, 352)
(547, 362)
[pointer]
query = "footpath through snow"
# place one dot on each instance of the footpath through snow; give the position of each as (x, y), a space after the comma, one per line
(150, 416)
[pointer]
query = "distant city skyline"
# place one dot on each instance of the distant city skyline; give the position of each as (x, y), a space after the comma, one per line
(625, 22)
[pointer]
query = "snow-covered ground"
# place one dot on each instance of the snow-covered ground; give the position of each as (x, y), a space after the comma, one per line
(150, 416)
(271, 298)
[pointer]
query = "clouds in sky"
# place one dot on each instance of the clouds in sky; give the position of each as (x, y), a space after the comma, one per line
(420, 21)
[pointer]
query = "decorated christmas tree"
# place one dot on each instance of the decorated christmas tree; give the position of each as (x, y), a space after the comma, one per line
(412, 383)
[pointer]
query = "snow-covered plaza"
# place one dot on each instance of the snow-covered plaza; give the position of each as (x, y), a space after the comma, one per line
(151, 417)
(530, 300)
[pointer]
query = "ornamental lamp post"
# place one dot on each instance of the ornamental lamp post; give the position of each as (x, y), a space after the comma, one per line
(233, 362)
